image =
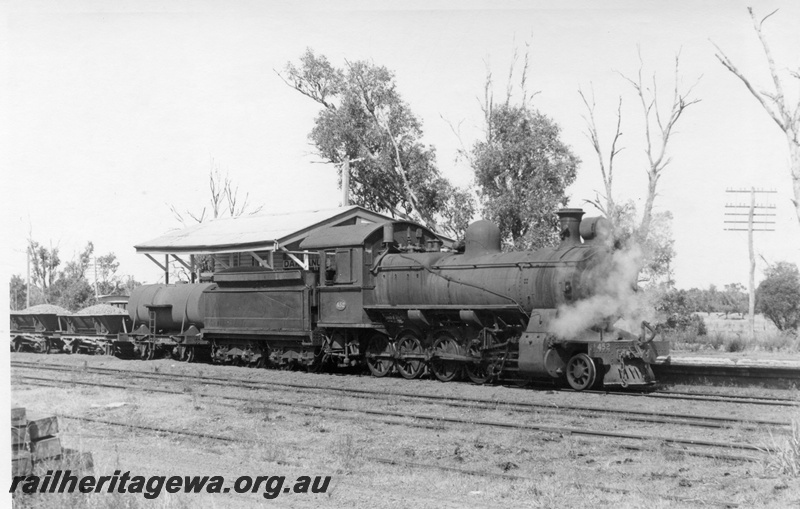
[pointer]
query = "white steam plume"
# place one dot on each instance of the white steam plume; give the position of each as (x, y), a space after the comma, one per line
(615, 296)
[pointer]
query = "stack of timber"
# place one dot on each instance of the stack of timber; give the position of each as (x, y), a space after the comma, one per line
(35, 446)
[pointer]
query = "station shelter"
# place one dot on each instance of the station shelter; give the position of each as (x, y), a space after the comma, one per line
(270, 241)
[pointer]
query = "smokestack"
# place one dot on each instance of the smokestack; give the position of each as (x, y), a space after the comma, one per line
(570, 220)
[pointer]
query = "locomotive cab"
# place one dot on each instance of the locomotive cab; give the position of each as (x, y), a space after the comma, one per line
(346, 278)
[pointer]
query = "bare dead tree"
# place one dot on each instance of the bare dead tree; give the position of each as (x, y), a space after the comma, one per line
(224, 197)
(487, 105)
(235, 207)
(775, 103)
(658, 130)
(607, 172)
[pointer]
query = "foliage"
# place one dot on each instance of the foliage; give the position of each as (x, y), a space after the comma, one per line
(365, 122)
(733, 300)
(44, 262)
(72, 290)
(784, 453)
(657, 248)
(523, 170)
(17, 290)
(778, 295)
(107, 281)
(677, 307)
(70, 287)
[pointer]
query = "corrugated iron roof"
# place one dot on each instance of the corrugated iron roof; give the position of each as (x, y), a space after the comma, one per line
(340, 236)
(253, 232)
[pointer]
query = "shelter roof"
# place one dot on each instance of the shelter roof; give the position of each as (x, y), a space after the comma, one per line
(357, 234)
(258, 232)
(340, 236)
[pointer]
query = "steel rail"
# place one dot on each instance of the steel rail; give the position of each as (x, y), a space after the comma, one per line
(48, 383)
(560, 430)
(437, 427)
(684, 395)
(637, 415)
(375, 459)
(385, 461)
(722, 398)
(447, 401)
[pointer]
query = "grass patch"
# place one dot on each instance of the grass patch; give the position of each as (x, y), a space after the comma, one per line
(736, 344)
(346, 452)
(735, 339)
(781, 342)
(784, 455)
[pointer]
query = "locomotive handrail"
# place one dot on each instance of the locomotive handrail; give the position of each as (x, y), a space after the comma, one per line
(457, 281)
(645, 328)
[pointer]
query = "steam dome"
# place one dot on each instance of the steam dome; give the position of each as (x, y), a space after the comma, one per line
(482, 237)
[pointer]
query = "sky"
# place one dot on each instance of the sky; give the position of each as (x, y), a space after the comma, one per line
(115, 110)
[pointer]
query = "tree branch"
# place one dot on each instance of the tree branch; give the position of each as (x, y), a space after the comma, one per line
(724, 60)
(594, 138)
(656, 155)
(298, 85)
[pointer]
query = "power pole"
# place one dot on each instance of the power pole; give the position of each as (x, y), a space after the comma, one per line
(734, 218)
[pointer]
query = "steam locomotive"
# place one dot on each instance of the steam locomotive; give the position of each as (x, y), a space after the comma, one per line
(389, 296)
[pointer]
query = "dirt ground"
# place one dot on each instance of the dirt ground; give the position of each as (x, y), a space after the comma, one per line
(435, 460)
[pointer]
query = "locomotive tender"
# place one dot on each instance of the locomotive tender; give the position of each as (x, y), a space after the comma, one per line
(387, 295)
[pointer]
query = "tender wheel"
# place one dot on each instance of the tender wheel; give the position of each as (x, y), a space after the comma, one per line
(408, 344)
(446, 370)
(379, 355)
(581, 372)
(181, 353)
(147, 351)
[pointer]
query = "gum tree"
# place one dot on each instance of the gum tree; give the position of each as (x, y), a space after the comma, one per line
(365, 126)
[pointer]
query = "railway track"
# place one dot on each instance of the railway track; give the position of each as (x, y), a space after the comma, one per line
(692, 447)
(692, 419)
(661, 394)
(382, 460)
(703, 396)
(689, 446)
